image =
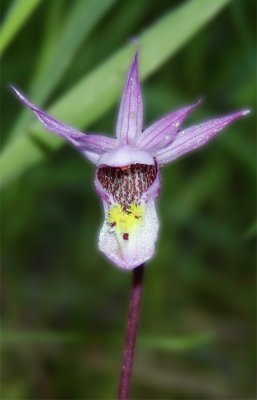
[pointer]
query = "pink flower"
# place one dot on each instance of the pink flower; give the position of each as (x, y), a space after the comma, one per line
(128, 167)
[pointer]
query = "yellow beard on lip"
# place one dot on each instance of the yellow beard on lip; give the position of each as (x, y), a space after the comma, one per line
(125, 220)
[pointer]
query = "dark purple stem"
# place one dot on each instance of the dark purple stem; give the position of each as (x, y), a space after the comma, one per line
(131, 333)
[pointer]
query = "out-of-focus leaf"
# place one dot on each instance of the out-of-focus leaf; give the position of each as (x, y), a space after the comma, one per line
(194, 193)
(12, 338)
(82, 18)
(20, 11)
(251, 231)
(96, 93)
(16, 390)
(180, 343)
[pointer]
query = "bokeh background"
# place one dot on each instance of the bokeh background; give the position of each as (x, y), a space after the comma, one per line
(64, 306)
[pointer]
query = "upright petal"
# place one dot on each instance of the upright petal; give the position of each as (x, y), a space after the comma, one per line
(195, 137)
(163, 131)
(91, 146)
(130, 117)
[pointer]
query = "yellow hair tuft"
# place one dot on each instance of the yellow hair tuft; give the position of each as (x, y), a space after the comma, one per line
(127, 219)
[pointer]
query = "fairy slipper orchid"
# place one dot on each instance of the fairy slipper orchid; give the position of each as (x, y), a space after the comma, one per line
(128, 167)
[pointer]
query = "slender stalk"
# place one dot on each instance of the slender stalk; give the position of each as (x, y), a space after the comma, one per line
(131, 333)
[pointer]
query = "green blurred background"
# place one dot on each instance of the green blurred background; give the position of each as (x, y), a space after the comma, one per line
(64, 305)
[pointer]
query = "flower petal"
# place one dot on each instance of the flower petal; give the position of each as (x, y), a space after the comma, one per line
(91, 146)
(130, 117)
(195, 137)
(124, 155)
(163, 131)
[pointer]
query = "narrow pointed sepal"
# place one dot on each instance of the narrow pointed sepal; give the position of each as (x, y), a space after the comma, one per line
(130, 116)
(91, 146)
(162, 132)
(195, 137)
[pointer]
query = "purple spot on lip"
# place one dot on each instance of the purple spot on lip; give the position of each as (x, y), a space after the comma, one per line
(126, 236)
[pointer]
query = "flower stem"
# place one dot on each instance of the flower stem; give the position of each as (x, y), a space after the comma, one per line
(131, 333)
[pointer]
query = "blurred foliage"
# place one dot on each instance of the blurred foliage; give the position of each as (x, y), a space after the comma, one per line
(64, 306)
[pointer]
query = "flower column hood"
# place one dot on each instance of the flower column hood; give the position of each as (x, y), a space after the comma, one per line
(127, 175)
